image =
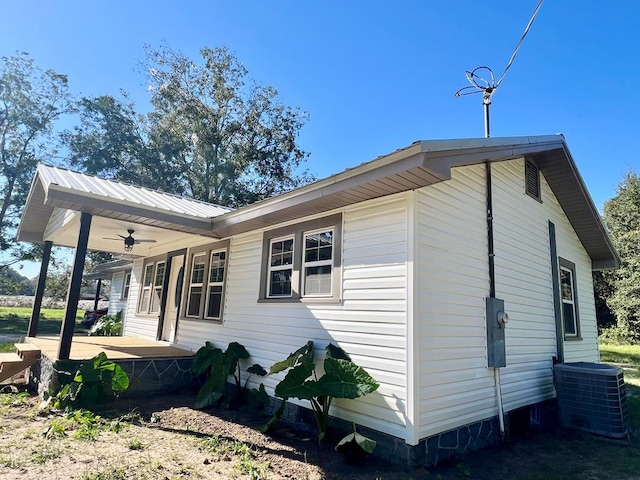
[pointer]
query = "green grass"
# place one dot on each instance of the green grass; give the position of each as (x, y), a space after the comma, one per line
(628, 358)
(7, 347)
(15, 320)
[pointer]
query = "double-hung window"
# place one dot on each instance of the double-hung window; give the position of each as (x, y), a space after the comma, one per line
(280, 267)
(569, 299)
(302, 262)
(317, 263)
(206, 282)
(151, 287)
(126, 284)
(215, 285)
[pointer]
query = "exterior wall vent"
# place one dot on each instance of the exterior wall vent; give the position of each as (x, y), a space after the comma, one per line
(592, 397)
(532, 180)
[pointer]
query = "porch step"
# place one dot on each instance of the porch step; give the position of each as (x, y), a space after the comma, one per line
(13, 363)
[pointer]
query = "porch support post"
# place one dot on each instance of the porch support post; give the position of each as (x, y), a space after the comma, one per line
(73, 294)
(95, 301)
(42, 280)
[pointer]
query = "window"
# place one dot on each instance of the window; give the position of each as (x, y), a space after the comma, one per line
(532, 180)
(152, 284)
(207, 276)
(126, 284)
(280, 267)
(317, 263)
(568, 295)
(215, 285)
(302, 262)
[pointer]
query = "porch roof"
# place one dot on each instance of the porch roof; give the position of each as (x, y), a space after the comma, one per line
(57, 188)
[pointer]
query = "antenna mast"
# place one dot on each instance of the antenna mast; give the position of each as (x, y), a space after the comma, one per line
(488, 86)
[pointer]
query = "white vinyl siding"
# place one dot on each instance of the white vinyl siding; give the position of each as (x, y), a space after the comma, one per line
(523, 280)
(136, 325)
(455, 385)
(116, 302)
(369, 323)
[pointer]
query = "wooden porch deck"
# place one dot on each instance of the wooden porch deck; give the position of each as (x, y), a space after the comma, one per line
(116, 348)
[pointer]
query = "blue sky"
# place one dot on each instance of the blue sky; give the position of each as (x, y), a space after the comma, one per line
(375, 76)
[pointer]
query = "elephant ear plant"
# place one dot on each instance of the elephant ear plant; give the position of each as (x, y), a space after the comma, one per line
(342, 379)
(217, 365)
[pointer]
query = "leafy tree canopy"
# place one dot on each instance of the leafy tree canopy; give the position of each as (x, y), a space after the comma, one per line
(31, 101)
(622, 218)
(212, 133)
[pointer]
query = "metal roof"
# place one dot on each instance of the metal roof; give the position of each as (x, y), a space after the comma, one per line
(425, 163)
(420, 164)
(57, 187)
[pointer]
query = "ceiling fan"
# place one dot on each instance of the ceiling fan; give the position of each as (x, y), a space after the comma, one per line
(129, 241)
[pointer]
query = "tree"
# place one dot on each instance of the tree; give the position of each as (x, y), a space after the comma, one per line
(30, 103)
(622, 218)
(212, 134)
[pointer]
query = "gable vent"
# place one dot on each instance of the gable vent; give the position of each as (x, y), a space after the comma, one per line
(532, 179)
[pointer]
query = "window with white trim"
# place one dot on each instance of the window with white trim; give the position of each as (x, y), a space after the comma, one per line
(207, 277)
(196, 282)
(280, 267)
(302, 262)
(215, 285)
(317, 263)
(126, 284)
(151, 288)
(570, 318)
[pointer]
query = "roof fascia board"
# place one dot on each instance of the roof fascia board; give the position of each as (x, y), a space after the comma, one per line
(61, 197)
(437, 157)
(31, 237)
(594, 212)
(401, 161)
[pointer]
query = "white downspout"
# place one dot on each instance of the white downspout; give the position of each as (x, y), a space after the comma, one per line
(496, 376)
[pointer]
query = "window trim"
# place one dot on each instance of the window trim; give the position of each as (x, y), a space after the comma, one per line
(317, 263)
(278, 268)
(126, 285)
(529, 163)
(207, 251)
(571, 268)
(297, 231)
(154, 261)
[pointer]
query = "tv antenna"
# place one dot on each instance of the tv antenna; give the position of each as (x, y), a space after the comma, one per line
(486, 83)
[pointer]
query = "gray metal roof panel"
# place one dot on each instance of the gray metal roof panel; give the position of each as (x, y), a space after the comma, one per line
(96, 186)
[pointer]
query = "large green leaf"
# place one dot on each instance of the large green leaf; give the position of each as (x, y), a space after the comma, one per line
(204, 358)
(294, 384)
(345, 379)
(304, 355)
(336, 352)
(257, 369)
(356, 441)
(214, 387)
(234, 352)
(206, 396)
(120, 380)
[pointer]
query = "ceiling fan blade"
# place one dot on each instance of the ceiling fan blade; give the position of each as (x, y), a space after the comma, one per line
(109, 238)
(144, 241)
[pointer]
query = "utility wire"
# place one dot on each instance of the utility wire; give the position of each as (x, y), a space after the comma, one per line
(515, 51)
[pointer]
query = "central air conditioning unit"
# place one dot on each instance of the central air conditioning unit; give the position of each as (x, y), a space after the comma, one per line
(592, 397)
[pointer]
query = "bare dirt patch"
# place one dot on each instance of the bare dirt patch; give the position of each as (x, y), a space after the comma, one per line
(166, 439)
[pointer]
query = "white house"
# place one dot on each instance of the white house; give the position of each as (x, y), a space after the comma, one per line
(408, 262)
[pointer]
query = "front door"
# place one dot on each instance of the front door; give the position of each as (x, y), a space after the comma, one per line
(174, 295)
